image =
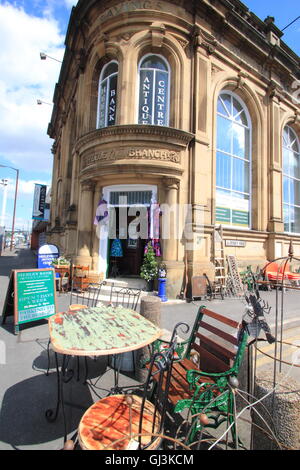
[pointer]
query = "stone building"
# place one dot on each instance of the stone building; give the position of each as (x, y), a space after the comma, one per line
(175, 102)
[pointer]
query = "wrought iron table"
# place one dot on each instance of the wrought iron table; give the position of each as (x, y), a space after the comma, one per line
(98, 331)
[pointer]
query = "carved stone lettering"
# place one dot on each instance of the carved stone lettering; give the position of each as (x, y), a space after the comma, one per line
(131, 6)
(132, 153)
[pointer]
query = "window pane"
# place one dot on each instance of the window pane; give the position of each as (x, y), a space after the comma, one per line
(294, 192)
(240, 141)
(112, 101)
(146, 97)
(110, 69)
(294, 165)
(224, 134)
(161, 99)
(154, 62)
(226, 100)
(296, 226)
(286, 136)
(240, 176)
(223, 170)
(286, 161)
(286, 218)
(221, 108)
(102, 104)
(223, 206)
(239, 114)
(240, 210)
(286, 193)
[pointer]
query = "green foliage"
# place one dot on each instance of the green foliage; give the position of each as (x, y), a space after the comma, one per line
(61, 261)
(150, 265)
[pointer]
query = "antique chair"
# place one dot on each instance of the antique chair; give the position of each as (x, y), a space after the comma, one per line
(79, 299)
(128, 297)
(89, 297)
(80, 277)
(130, 421)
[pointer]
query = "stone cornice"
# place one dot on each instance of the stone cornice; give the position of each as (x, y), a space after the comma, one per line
(136, 131)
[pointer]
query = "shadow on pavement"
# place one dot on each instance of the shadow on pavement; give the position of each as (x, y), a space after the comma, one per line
(22, 418)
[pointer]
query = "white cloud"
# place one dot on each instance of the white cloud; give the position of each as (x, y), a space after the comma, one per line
(70, 3)
(24, 78)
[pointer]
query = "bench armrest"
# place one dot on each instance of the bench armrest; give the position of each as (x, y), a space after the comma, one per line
(193, 376)
(160, 344)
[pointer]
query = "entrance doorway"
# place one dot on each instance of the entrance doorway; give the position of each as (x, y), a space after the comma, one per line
(132, 250)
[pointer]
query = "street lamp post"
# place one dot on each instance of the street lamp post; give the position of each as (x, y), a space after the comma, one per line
(15, 203)
(4, 183)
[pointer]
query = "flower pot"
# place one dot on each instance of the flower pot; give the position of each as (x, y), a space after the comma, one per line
(150, 285)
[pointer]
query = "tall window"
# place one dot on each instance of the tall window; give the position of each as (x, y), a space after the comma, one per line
(154, 99)
(107, 95)
(233, 162)
(291, 181)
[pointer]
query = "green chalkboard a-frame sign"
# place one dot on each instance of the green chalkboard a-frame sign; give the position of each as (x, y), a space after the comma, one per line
(30, 296)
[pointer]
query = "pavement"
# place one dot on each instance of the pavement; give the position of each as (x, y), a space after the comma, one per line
(26, 392)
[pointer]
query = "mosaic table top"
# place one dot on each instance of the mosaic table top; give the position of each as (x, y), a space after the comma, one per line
(100, 331)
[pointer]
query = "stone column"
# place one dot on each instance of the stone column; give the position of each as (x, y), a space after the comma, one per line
(85, 223)
(171, 233)
(275, 170)
(170, 220)
(95, 236)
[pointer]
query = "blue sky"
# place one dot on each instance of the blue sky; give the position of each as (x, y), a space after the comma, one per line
(28, 27)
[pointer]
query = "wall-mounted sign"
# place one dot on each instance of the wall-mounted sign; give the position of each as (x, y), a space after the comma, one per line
(39, 202)
(235, 243)
(46, 255)
(30, 296)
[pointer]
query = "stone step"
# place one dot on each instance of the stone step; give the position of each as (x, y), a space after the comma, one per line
(133, 282)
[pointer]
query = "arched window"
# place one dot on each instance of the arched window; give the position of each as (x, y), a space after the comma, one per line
(107, 95)
(291, 181)
(154, 79)
(233, 166)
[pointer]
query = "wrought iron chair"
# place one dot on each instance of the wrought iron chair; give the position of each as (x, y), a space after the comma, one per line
(89, 297)
(128, 297)
(130, 421)
(79, 299)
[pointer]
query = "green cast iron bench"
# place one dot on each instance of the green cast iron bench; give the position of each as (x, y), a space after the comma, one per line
(206, 387)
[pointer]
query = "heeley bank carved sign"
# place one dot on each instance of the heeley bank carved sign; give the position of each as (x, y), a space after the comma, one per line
(132, 153)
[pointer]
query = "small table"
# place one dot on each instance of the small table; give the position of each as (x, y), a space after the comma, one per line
(64, 273)
(98, 331)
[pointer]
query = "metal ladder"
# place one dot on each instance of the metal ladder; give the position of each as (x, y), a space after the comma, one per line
(219, 259)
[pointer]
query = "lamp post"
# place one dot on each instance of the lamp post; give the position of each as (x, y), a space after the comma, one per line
(44, 56)
(4, 183)
(40, 102)
(15, 203)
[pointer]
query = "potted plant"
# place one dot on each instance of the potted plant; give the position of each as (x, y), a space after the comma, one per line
(149, 267)
(60, 262)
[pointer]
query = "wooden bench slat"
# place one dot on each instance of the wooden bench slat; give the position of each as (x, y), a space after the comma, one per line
(212, 362)
(228, 353)
(231, 339)
(179, 387)
(220, 318)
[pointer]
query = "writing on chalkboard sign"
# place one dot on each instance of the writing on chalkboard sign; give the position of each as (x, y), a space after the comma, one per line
(33, 294)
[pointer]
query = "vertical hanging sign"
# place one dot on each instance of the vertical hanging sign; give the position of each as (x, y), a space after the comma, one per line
(112, 102)
(146, 97)
(161, 99)
(39, 202)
